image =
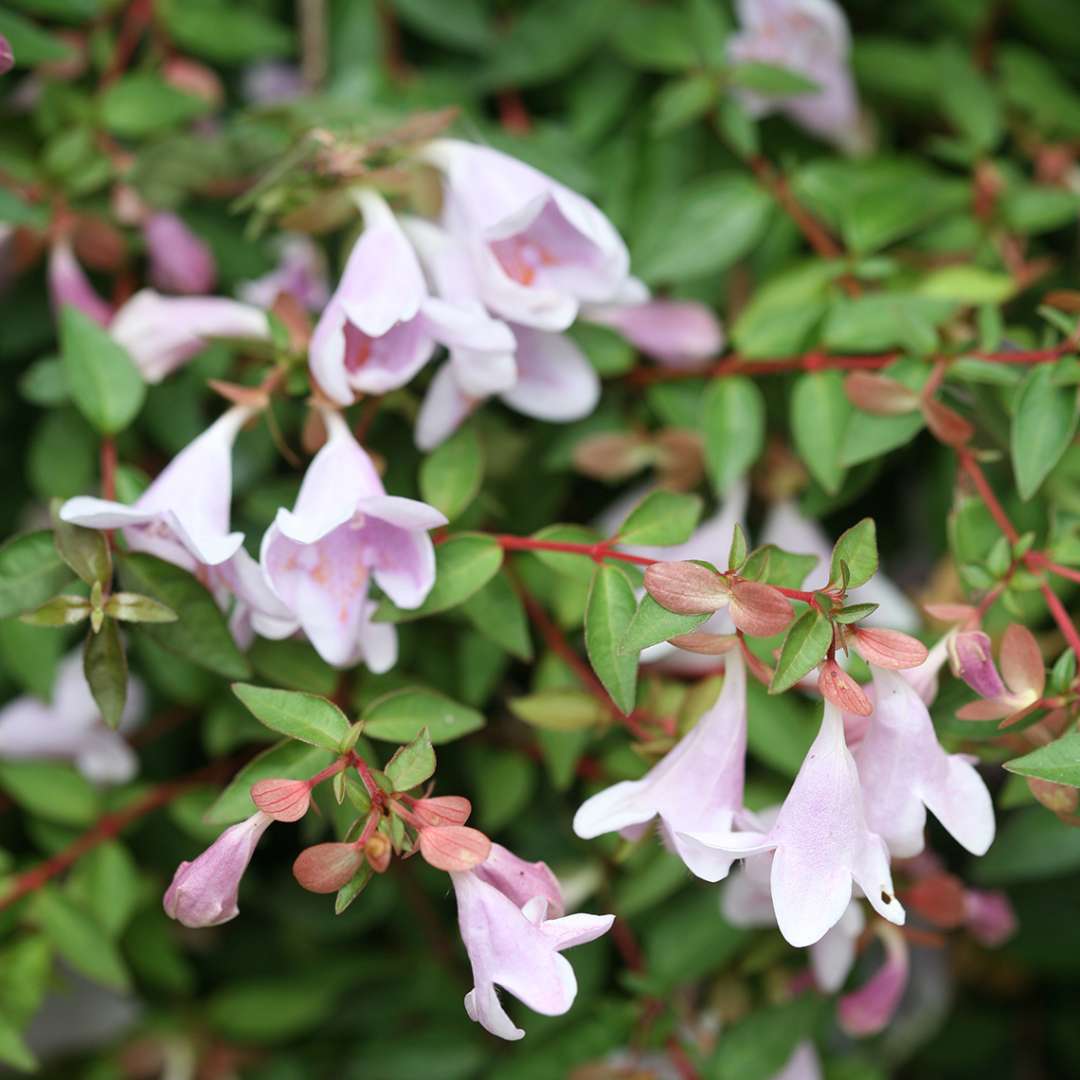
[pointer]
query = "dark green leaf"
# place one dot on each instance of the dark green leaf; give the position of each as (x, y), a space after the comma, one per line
(652, 624)
(79, 939)
(804, 648)
(733, 423)
(1044, 423)
(819, 415)
(610, 608)
(769, 79)
(413, 764)
(497, 612)
(51, 791)
(31, 571)
(401, 715)
(84, 550)
(451, 475)
(105, 666)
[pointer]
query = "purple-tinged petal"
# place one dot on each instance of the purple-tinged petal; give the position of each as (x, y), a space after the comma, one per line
(300, 273)
(990, 917)
(180, 262)
(832, 957)
(555, 381)
(7, 56)
(69, 285)
(481, 348)
(868, 1010)
(973, 660)
(679, 333)
(521, 881)
(445, 408)
(402, 560)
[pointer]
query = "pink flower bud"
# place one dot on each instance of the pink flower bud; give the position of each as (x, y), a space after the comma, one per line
(759, 609)
(879, 394)
(378, 851)
(454, 847)
(889, 648)
(7, 57)
(973, 661)
(443, 810)
(687, 588)
(194, 78)
(179, 261)
(837, 686)
(204, 892)
(990, 917)
(68, 284)
(868, 1010)
(324, 868)
(283, 800)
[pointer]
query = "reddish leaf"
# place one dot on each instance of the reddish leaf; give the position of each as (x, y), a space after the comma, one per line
(837, 686)
(758, 609)
(889, 648)
(283, 800)
(454, 847)
(324, 868)
(879, 394)
(687, 588)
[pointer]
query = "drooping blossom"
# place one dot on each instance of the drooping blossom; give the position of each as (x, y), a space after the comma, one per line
(183, 518)
(973, 660)
(869, 1008)
(1023, 675)
(810, 38)
(344, 530)
(905, 771)
(678, 333)
(300, 272)
(696, 788)
(204, 892)
(513, 944)
(70, 727)
(821, 841)
(537, 249)
(180, 261)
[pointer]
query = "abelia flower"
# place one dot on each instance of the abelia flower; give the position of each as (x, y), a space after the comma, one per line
(697, 788)
(183, 518)
(538, 250)
(822, 843)
(70, 727)
(678, 333)
(204, 892)
(515, 945)
(180, 261)
(69, 285)
(810, 38)
(989, 917)
(1023, 673)
(904, 771)
(972, 659)
(344, 530)
(7, 56)
(300, 273)
(868, 1010)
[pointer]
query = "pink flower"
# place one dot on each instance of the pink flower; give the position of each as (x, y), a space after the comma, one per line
(678, 333)
(7, 57)
(972, 659)
(180, 261)
(537, 250)
(904, 771)
(300, 273)
(1024, 675)
(697, 788)
(990, 918)
(810, 38)
(514, 945)
(521, 880)
(868, 1010)
(204, 892)
(822, 844)
(163, 333)
(183, 518)
(70, 727)
(68, 284)
(318, 558)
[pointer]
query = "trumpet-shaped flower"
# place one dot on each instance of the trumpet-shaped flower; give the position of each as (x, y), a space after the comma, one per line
(70, 727)
(515, 945)
(204, 892)
(344, 530)
(537, 250)
(810, 38)
(696, 788)
(822, 843)
(904, 771)
(678, 333)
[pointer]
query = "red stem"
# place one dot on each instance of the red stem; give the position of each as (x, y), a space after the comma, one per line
(108, 468)
(597, 552)
(1061, 571)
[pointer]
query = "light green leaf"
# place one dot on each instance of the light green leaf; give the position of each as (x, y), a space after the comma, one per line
(298, 715)
(610, 608)
(402, 714)
(559, 709)
(733, 424)
(661, 519)
(31, 571)
(411, 765)
(51, 791)
(653, 623)
(1044, 423)
(1058, 761)
(804, 648)
(770, 79)
(451, 475)
(143, 104)
(857, 547)
(819, 414)
(79, 938)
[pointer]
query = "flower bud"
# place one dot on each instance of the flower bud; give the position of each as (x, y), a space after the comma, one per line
(879, 394)
(758, 609)
(68, 284)
(991, 920)
(678, 333)
(194, 78)
(204, 892)
(443, 810)
(324, 868)
(378, 851)
(179, 261)
(837, 686)
(283, 800)
(687, 588)
(454, 847)
(889, 648)
(972, 661)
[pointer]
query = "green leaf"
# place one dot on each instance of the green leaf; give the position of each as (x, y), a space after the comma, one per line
(411, 765)
(272, 1010)
(1031, 845)
(200, 633)
(652, 624)
(451, 475)
(579, 567)
(25, 967)
(51, 791)
(804, 648)
(682, 101)
(62, 610)
(969, 99)
(79, 939)
(31, 572)
(1044, 423)
(86, 551)
(661, 519)
(559, 709)
(497, 612)
(13, 1049)
(881, 321)
(294, 665)
(464, 564)
(1058, 761)
(106, 670)
(402, 714)
(143, 104)
(609, 610)
(656, 38)
(968, 285)
(775, 566)
(758, 1046)
(713, 223)
(770, 79)
(468, 29)
(31, 45)
(780, 728)
(352, 889)
(819, 414)
(224, 32)
(733, 424)
(286, 760)
(857, 547)
(107, 881)
(298, 715)
(105, 383)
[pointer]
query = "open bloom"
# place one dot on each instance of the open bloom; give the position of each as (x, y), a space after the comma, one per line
(180, 262)
(204, 892)
(1022, 682)
(822, 843)
(183, 518)
(538, 250)
(514, 945)
(70, 727)
(810, 38)
(904, 771)
(697, 787)
(344, 530)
